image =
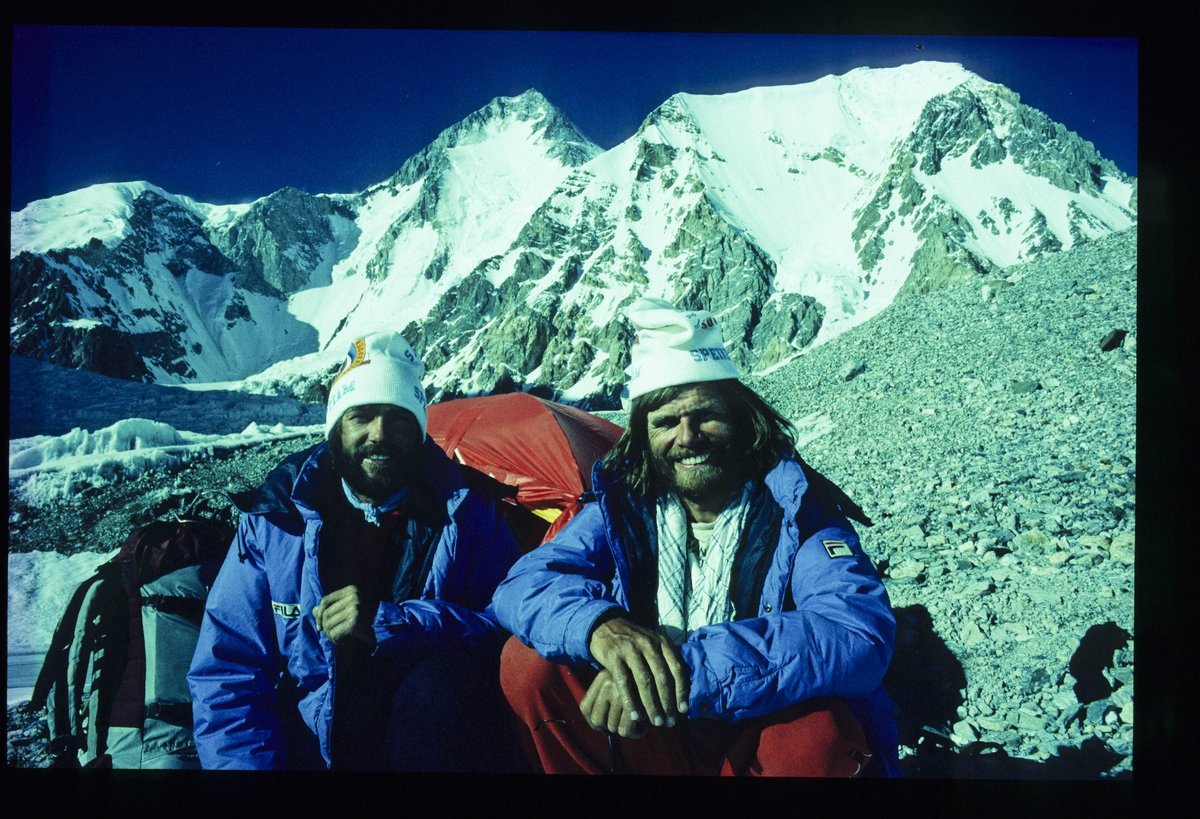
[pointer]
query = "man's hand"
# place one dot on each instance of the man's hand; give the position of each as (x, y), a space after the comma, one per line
(650, 677)
(340, 615)
(604, 711)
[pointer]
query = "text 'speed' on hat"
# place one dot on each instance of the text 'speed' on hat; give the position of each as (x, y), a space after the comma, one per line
(380, 368)
(673, 347)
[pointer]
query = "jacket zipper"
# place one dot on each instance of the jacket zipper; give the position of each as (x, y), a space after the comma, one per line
(331, 655)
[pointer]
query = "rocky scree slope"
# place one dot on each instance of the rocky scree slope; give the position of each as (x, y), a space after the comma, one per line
(988, 429)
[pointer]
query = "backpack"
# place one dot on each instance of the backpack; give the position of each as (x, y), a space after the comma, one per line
(114, 680)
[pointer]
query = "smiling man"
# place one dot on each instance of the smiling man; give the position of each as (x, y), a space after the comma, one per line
(711, 611)
(349, 627)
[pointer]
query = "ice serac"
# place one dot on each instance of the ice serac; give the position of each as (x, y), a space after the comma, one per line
(508, 248)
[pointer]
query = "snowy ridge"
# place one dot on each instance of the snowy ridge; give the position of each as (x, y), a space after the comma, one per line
(507, 249)
(99, 212)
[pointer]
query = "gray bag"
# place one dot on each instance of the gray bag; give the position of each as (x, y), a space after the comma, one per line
(114, 681)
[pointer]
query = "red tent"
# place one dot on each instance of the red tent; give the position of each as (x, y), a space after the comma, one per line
(544, 449)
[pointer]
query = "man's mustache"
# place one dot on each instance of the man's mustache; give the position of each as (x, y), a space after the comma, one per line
(680, 454)
(370, 450)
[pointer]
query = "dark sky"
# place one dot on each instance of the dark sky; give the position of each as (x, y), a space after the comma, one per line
(227, 115)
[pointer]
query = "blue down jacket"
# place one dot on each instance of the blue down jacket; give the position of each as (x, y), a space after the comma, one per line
(259, 637)
(811, 616)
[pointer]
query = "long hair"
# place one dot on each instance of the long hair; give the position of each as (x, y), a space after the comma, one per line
(766, 435)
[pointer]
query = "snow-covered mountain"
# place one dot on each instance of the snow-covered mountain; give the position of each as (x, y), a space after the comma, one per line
(507, 248)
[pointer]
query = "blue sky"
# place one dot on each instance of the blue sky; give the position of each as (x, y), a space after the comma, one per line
(228, 115)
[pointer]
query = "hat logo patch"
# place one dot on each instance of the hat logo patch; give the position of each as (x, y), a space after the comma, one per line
(837, 548)
(356, 356)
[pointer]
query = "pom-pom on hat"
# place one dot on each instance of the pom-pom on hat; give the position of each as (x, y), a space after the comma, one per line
(673, 347)
(380, 368)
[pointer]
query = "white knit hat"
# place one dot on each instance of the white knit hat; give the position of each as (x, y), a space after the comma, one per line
(673, 347)
(380, 368)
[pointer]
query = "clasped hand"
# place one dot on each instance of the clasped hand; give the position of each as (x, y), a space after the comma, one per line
(340, 614)
(643, 680)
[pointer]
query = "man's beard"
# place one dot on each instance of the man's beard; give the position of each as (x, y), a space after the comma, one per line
(404, 468)
(700, 483)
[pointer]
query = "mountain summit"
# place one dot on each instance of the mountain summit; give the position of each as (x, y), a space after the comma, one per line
(507, 249)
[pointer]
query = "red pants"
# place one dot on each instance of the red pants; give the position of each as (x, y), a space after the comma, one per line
(819, 737)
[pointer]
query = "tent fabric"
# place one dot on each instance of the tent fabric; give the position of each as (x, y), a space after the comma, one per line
(544, 449)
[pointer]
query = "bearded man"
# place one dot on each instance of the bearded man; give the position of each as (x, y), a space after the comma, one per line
(349, 626)
(711, 611)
